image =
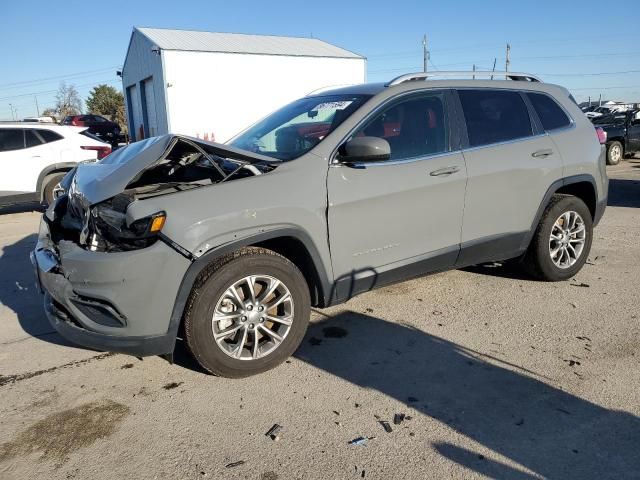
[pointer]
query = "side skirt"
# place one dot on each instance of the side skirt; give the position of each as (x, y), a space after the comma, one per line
(364, 280)
(492, 249)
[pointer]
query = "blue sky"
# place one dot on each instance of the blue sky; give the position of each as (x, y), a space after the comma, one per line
(84, 43)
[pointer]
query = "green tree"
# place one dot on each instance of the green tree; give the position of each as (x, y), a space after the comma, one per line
(67, 101)
(106, 100)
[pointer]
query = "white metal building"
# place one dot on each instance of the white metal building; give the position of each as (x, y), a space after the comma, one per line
(213, 85)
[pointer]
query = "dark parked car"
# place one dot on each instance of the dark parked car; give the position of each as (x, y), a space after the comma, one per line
(104, 129)
(623, 134)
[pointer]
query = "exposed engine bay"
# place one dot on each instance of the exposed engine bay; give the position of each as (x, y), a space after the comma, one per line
(104, 226)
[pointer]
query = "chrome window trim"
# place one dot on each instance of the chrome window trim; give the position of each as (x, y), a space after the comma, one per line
(402, 161)
(505, 142)
(333, 161)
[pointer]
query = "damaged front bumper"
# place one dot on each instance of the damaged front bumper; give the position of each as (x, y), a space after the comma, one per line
(116, 301)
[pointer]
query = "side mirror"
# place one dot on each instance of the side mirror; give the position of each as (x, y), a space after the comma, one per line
(365, 149)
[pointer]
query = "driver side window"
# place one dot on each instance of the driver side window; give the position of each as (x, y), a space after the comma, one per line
(415, 127)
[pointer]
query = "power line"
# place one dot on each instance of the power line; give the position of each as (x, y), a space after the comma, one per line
(588, 74)
(97, 82)
(606, 88)
(58, 77)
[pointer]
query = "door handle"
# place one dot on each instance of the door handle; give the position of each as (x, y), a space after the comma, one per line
(444, 171)
(542, 153)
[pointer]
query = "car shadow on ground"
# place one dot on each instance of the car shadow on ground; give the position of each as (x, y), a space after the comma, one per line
(624, 193)
(512, 411)
(18, 291)
(21, 208)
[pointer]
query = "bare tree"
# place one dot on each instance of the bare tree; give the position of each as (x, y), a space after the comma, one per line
(67, 101)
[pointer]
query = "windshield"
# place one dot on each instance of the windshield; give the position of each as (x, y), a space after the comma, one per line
(295, 129)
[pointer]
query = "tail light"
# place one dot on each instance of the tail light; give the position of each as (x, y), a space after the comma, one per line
(602, 135)
(102, 151)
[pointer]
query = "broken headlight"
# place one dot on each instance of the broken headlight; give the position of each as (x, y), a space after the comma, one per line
(111, 232)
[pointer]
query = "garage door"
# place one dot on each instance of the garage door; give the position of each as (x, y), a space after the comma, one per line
(135, 114)
(150, 101)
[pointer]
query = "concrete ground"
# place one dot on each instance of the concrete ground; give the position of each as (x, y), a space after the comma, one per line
(498, 376)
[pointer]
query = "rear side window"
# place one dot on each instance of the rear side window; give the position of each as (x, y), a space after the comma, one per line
(31, 139)
(11, 139)
(551, 114)
(49, 136)
(494, 116)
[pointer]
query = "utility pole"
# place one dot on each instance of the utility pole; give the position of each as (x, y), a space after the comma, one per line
(494, 66)
(425, 53)
(507, 59)
(13, 116)
(37, 108)
(474, 71)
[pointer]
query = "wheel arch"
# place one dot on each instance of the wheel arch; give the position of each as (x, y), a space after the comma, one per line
(582, 186)
(47, 172)
(619, 139)
(292, 243)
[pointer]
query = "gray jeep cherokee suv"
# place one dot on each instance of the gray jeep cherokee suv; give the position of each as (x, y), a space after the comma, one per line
(333, 195)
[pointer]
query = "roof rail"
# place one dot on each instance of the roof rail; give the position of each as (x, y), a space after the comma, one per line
(425, 76)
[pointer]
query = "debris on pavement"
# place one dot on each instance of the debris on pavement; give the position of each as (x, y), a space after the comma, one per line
(398, 418)
(386, 426)
(360, 441)
(235, 464)
(172, 385)
(581, 284)
(273, 432)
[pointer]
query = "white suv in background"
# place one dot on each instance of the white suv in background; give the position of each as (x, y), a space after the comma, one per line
(35, 157)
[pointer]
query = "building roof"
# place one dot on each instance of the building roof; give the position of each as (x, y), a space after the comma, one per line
(196, 41)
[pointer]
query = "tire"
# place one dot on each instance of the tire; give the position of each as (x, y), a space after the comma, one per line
(50, 184)
(615, 152)
(210, 296)
(538, 259)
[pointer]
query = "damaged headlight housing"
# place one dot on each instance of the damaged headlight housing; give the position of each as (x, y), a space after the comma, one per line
(111, 232)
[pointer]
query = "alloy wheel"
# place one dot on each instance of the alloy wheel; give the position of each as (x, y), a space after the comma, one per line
(567, 239)
(252, 317)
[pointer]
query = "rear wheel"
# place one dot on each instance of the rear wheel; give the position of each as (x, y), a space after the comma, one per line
(615, 153)
(49, 186)
(562, 241)
(247, 314)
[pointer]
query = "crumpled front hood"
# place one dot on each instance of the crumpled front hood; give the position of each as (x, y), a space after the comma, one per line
(104, 179)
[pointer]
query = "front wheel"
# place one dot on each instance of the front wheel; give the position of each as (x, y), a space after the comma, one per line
(562, 240)
(247, 314)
